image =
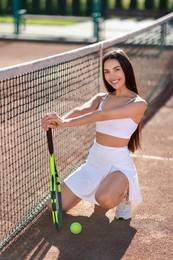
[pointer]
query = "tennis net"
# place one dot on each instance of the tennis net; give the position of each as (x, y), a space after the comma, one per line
(60, 83)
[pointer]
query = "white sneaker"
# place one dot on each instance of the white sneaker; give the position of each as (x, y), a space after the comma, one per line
(124, 210)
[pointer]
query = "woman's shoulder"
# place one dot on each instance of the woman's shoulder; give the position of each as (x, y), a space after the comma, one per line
(96, 100)
(139, 103)
(100, 96)
(137, 99)
(140, 99)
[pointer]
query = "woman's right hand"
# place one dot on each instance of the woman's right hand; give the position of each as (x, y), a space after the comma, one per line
(51, 120)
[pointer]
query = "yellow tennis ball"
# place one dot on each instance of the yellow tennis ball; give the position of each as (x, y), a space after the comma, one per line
(75, 228)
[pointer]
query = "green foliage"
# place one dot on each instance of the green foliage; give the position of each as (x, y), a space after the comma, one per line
(76, 7)
(163, 4)
(81, 7)
(61, 7)
(149, 4)
(36, 6)
(89, 7)
(48, 6)
(24, 4)
(118, 4)
(133, 4)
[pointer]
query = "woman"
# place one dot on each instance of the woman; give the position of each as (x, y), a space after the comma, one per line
(108, 178)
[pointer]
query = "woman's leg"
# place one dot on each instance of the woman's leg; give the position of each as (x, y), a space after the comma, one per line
(112, 190)
(69, 199)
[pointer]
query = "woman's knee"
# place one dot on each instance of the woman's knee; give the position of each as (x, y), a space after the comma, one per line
(69, 199)
(106, 200)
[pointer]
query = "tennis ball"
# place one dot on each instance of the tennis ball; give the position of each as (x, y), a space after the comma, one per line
(75, 228)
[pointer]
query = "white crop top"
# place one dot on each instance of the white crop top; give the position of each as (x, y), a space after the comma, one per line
(122, 128)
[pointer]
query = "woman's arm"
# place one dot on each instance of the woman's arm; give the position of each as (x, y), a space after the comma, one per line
(86, 108)
(135, 110)
(52, 120)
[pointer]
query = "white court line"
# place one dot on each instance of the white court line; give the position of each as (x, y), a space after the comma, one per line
(152, 157)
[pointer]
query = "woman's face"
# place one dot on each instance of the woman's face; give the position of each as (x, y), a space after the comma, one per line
(114, 74)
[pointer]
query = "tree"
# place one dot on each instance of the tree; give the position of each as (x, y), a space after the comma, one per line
(149, 4)
(118, 4)
(36, 6)
(9, 7)
(48, 7)
(89, 7)
(163, 4)
(61, 7)
(24, 4)
(76, 7)
(133, 4)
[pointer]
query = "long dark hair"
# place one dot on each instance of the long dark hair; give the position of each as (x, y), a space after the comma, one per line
(121, 56)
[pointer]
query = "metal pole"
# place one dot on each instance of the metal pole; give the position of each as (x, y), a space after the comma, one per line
(96, 14)
(16, 8)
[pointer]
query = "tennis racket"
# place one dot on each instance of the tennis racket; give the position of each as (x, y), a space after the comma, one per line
(55, 186)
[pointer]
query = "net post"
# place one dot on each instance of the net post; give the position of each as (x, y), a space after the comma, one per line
(100, 88)
(97, 18)
(16, 8)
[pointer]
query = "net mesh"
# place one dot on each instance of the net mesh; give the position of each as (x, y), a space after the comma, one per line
(61, 83)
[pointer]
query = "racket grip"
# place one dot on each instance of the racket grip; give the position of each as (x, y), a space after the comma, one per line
(50, 140)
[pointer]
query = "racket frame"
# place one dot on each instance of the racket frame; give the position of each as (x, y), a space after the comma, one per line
(55, 185)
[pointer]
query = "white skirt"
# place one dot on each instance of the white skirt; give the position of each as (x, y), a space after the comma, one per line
(101, 161)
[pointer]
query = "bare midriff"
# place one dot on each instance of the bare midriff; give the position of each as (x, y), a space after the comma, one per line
(108, 140)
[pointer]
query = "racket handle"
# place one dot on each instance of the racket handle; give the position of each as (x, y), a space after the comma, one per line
(50, 140)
